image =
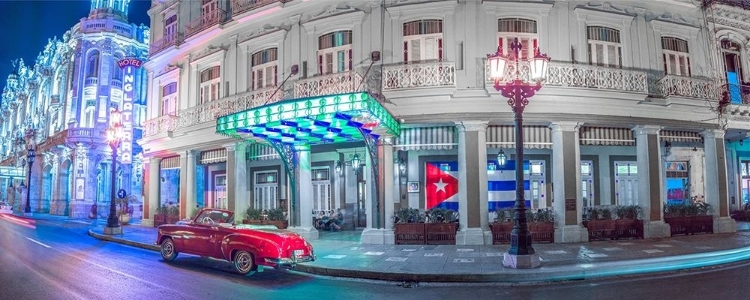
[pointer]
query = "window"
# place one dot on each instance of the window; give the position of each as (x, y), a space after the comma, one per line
(523, 29)
(210, 84)
(423, 40)
(676, 56)
(116, 70)
(88, 117)
(169, 99)
(209, 8)
(170, 28)
(92, 65)
(678, 182)
(320, 174)
(626, 169)
(604, 46)
(264, 68)
(335, 52)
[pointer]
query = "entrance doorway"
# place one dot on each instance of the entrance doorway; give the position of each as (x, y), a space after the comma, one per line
(361, 212)
(626, 183)
(587, 183)
(220, 191)
(265, 191)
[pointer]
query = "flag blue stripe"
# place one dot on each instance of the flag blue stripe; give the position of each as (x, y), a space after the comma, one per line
(495, 205)
(506, 185)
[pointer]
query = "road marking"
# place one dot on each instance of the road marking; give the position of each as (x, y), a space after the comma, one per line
(612, 249)
(335, 256)
(433, 254)
(494, 254)
(662, 246)
(374, 253)
(464, 250)
(38, 242)
(595, 255)
(652, 251)
(79, 222)
(463, 260)
(556, 252)
(400, 259)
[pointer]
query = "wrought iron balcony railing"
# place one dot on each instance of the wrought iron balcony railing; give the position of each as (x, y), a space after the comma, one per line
(690, 87)
(162, 124)
(204, 22)
(242, 6)
(165, 42)
(419, 75)
(330, 84)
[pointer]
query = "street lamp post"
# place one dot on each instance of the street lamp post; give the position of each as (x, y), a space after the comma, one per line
(518, 91)
(30, 159)
(114, 137)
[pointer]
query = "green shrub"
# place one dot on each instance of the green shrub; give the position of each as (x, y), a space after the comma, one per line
(252, 214)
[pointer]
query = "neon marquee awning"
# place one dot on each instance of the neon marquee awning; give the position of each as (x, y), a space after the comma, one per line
(311, 121)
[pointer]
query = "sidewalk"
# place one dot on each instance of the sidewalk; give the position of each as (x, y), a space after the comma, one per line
(342, 255)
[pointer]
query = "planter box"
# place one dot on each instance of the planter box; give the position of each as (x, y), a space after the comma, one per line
(541, 232)
(159, 219)
(600, 229)
(628, 228)
(279, 224)
(741, 215)
(690, 224)
(410, 233)
(440, 233)
(171, 219)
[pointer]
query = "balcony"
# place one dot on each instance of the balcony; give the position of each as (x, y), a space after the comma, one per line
(91, 81)
(204, 22)
(165, 42)
(738, 93)
(163, 124)
(419, 75)
(209, 112)
(331, 84)
(689, 87)
(242, 6)
(116, 83)
(106, 25)
(585, 76)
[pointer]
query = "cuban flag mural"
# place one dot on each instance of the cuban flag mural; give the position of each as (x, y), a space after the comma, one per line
(441, 185)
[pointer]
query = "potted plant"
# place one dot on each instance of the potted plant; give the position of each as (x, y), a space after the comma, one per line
(173, 214)
(442, 226)
(123, 213)
(252, 216)
(628, 222)
(502, 226)
(688, 218)
(277, 218)
(409, 226)
(600, 224)
(161, 215)
(540, 222)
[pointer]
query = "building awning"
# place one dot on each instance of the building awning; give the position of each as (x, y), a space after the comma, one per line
(213, 156)
(534, 137)
(680, 136)
(311, 121)
(261, 152)
(606, 136)
(427, 138)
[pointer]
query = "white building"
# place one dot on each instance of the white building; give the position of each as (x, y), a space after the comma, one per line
(630, 112)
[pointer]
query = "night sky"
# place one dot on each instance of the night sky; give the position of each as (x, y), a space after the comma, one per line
(25, 26)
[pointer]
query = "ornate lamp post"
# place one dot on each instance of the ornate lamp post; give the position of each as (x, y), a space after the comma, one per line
(30, 159)
(518, 91)
(115, 134)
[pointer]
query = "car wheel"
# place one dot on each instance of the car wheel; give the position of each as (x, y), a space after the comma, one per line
(168, 252)
(244, 262)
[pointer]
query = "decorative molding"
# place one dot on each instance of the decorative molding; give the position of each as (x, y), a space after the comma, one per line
(260, 38)
(646, 129)
(532, 10)
(422, 10)
(345, 19)
(208, 51)
(713, 134)
(466, 126)
(683, 31)
(565, 126)
(611, 18)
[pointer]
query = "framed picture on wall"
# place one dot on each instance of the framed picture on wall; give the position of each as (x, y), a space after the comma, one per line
(79, 188)
(413, 187)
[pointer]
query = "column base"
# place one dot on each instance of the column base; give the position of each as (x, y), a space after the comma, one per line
(147, 222)
(725, 225)
(81, 209)
(473, 236)
(309, 233)
(656, 229)
(378, 236)
(113, 230)
(571, 234)
(528, 261)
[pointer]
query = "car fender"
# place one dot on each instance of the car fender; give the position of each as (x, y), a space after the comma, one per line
(257, 246)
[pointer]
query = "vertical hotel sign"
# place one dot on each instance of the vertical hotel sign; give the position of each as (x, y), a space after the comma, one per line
(128, 65)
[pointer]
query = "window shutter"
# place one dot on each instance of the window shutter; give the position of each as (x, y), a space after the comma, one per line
(275, 75)
(500, 45)
(350, 60)
(320, 64)
(269, 76)
(430, 47)
(687, 60)
(440, 49)
(666, 61)
(252, 80)
(415, 50)
(406, 51)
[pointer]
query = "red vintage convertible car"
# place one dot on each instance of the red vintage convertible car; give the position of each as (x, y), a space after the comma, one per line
(213, 234)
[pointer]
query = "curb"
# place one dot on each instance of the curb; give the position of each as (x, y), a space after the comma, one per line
(606, 269)
(111, 238)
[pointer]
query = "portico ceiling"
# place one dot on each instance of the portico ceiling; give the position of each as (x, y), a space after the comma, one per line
(315, 120)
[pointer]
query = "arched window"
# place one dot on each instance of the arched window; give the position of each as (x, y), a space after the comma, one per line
(210, 84)
(676, 56)
(169, 99)
(335, 52)
(116, 70)
(264, 68)
(604, 46)
(423, 40)
(525, 30)
(92, 64)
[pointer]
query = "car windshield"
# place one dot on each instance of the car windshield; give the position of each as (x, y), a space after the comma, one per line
(210, 217)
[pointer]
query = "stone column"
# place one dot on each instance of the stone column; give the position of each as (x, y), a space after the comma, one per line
(184, 209)
(648, 154)
(190, 194)
(237, 184)
(566, 178)
(304, 194)
(472, 184)
(151, 203)
(380, 231)
(717, 193)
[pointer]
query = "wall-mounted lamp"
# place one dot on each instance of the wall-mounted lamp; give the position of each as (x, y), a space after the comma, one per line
(354, 161)
(501, 159)
(667, 147)
(401, 166)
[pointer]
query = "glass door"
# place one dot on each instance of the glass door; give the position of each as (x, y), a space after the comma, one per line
(220, 191)
(626, 183)
(587, 183)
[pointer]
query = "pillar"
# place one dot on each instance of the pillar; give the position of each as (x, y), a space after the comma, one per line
(649, 163)
(566, 179)
(717, 190)
(472, 184)
(190, 182)
(304, 187)
(151, 203)
(237, 183)
(379, 211)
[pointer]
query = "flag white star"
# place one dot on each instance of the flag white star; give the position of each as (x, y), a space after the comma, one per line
(440, 185)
